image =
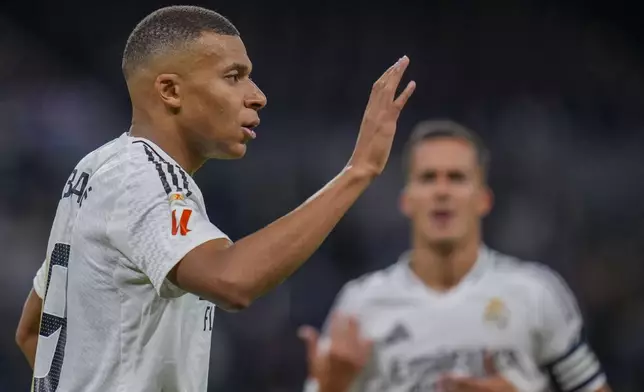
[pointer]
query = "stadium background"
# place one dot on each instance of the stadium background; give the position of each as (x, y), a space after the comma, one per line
(557, 91)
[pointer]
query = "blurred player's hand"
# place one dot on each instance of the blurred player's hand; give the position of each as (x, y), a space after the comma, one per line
(337, 364)
(379, 121)
(493, 382)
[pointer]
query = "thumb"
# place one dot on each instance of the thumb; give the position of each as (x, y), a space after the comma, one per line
(489, 364)
(310, 337)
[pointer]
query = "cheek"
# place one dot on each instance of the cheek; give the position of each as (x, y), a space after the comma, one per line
(475, 203)
(213, 97)
(420, 206)
(198, 104)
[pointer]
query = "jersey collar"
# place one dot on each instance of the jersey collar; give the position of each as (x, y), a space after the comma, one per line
(482, 264)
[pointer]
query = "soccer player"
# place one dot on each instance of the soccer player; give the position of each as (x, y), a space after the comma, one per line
(452, 314)
(133, 264)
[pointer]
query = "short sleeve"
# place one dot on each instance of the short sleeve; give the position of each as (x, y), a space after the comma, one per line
(561, 323)
(40, 280)
(154, 224)
(563, 350)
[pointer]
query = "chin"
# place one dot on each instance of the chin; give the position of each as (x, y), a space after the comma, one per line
(443, 241)
(230, 153)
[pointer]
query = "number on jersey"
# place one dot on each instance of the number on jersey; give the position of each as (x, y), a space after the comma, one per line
(77, 188)
(53, 325)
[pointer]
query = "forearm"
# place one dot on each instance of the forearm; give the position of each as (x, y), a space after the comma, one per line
(28, 347)
(262, 260)
(29, 327)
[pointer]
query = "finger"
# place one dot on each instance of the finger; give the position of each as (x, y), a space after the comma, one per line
(310, 336)
(393, 80)
(366, 347)
(361, 345)
(353, 328)
(338, 327)
(489, 365)
(385, 75)
(402, 99)
(382, 80)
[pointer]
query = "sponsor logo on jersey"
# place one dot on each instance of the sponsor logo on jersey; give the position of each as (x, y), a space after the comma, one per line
(398, 334)
(424, 372)
(176, 197)
(496, 313)
(180, 220)
(181, 213)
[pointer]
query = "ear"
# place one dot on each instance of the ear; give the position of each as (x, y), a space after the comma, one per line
(486, 201)
(403, 203)
(168, 87)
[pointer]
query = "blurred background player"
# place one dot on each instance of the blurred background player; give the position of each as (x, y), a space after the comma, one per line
(453, 314)
(133, 263)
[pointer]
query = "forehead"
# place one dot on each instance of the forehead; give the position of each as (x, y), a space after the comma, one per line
(220, 50)
(443, 153)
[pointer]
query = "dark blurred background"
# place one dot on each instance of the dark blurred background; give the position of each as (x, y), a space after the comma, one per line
(556, 89)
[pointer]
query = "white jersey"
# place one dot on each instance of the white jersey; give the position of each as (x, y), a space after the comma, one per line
(112, 322)
(521, 314)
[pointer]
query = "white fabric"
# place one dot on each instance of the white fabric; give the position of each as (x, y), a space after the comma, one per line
(120, 325)
(522, 313)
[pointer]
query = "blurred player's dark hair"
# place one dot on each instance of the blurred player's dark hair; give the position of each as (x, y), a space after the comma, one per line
(170, 28)
(434, 129)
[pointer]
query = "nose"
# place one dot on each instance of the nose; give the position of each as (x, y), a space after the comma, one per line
(256, 100)
(441, 188)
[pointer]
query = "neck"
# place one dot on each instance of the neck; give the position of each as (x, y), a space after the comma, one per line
(443, 267)
(168, 137)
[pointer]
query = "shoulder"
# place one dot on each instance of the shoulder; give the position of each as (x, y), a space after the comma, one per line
(157, 164)
(139, 168)
(532, 275)
(371, 286)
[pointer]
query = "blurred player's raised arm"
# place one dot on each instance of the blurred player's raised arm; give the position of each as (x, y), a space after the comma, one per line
(564, 352)
(237, 274)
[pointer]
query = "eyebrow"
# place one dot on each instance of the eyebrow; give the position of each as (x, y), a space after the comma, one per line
(239, 67)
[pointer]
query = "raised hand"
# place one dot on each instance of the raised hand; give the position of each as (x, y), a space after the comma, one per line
(335, 363)
(380, 119)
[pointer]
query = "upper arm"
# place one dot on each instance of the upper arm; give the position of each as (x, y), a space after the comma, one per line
(563, 349)
(203, 271)
(155, 222)
(29, 323)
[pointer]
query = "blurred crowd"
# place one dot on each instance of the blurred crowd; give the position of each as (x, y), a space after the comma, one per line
(558, 99)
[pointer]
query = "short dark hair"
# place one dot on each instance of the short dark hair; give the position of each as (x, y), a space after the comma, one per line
(170, 28)
(434, 129)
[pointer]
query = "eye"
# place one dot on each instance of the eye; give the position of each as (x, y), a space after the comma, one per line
(233, 78)
(428, 177)
(457, 177)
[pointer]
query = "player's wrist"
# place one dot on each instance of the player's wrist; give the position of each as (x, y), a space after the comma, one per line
(360, 174)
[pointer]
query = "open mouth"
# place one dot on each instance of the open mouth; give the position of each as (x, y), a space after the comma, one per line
(441, 217)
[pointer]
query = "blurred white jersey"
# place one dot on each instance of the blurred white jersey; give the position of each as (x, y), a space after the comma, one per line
(521, 314)
(111, 320)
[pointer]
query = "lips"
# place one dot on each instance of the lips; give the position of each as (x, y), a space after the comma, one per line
(441, 216)
(248, 133)
(247, 129)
